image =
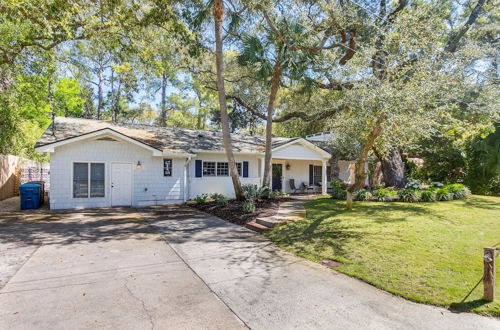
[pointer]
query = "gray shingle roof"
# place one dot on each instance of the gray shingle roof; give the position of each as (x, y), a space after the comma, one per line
(162, 138)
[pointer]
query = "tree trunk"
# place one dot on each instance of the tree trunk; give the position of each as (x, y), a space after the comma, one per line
(349, 201)
(275, 84)
(393, 168)
(100, 90)
(218, 13)
(163, 115)
(360, 170)
(117, 101)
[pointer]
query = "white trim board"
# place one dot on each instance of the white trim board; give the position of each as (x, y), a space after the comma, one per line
(306, 144)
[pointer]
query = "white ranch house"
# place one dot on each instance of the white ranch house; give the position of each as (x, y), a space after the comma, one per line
(100, 164)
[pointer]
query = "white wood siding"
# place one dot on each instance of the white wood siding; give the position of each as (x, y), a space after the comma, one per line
(220, 184)
(297, 151)
(150, 187)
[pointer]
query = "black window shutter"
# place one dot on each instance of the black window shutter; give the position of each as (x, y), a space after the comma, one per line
(245, 169)
(198, 164)
(311, 174)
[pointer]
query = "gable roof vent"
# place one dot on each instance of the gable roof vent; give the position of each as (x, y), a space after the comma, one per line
(106, 138)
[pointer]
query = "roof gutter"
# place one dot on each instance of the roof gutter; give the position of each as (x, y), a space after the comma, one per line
(223, 152)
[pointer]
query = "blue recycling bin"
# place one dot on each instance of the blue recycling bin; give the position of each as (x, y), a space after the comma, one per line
(30, 196)
(42, 190)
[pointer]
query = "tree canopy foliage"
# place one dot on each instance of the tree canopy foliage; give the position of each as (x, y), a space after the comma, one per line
(415, 76)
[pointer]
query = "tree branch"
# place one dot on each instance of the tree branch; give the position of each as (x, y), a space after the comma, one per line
(281, 37)
(334, 86)
(456, 37)
(392, 16)
(305, 116)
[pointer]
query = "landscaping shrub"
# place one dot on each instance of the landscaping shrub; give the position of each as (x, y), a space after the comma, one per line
(436, 185)
(483, 161)
(443, 194)
(378, 186)
(362, 195)
(428, 196)
(461, 193)
(216, 196)
(338, 192)
(277, 194)
(384, 195)
(458, 190)
(200, 199)
(265, 193)
(415, 185)
(249, 206)
(409, 195)
(219, 199)
(252, 191)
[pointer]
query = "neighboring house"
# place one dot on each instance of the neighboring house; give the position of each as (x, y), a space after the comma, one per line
(101, 164)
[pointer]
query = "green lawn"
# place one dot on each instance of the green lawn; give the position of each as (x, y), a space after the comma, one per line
(427, 252)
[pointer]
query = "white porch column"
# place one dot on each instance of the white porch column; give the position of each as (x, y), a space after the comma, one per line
(323, 178)
(261, 171)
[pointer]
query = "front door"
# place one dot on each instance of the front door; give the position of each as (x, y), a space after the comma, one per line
(277, 175)
(121, 184)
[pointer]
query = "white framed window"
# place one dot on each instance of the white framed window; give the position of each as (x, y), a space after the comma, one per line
(209, 168)
(317, 170)
(222, 169)
(88, 180)
(219, 168)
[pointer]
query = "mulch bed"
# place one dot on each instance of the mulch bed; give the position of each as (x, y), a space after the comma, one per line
(234, 213)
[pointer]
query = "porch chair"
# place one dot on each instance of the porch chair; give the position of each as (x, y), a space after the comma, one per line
(294, 189)
(304, 187)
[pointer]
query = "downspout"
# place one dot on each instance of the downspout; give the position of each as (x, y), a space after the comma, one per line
(187, 179)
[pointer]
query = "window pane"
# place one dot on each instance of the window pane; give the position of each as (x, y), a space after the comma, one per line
(97, 171)
(167, 167)
(238, 166)
(96, 180)
(208, 168)
(329, 173)
(222, 169)
(80, 171)
(317, 174)
(80, 180)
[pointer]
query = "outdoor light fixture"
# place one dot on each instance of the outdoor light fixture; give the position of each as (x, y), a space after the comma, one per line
(139, 165)
(287, 166)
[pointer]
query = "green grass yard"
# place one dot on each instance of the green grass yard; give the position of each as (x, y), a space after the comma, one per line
(426, 252)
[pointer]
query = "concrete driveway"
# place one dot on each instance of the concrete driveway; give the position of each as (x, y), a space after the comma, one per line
(99, 269)
(181, 269)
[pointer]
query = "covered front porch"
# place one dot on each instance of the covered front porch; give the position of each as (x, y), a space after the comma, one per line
(299, 166)
(300, 176)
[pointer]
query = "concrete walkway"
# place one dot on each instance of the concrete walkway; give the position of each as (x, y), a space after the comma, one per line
(268, 288)
(292, 210)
